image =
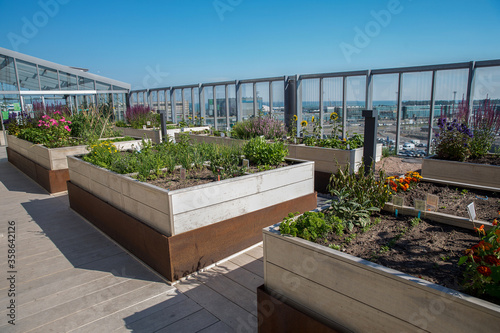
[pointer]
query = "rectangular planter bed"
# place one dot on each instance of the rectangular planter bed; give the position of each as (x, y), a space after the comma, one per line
(155, 134)
(350, 294)
(48, 166)
(179, 232)
(326, 160)
(466, 174)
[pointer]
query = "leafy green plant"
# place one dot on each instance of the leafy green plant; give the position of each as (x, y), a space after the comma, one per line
(259, 152)
(351, 212)
(362, 187)
(309, 226)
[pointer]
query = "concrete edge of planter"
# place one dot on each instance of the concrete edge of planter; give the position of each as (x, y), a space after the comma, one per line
(410, 280)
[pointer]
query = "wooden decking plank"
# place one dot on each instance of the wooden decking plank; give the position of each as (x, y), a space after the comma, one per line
(106, 306)
(192, 323)
(218, 327)
(240, 275)
(230, 313)
(249, 263)
(256, 252)
(157, 316)
(231, 290)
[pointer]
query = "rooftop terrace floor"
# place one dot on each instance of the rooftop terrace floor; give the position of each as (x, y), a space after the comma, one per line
(69, 277)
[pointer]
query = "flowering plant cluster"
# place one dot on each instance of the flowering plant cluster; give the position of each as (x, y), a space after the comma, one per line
(139, 115)
(267, 126)
(482, 263)
(453, 140)
(51, 131)
(397, 184)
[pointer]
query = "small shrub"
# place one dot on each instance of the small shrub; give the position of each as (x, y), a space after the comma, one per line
(453, 140)
(259, 152)
(309, 226)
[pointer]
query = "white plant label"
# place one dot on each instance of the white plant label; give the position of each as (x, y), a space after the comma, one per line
(472, 211)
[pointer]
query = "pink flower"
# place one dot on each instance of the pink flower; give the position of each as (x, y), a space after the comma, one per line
(66, 127)
(57, 112)
(69, 122)
(63, 119)
(40, 125)
(45, 117)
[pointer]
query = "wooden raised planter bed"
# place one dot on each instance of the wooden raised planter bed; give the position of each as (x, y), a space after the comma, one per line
(155, 134)
(350, 294)
(326, 160)
(179, 232)
(468, 174)
(48, 166)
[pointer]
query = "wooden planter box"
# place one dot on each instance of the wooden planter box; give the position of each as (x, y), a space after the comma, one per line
(350, 294)
(326, 160)
(468, 174)
(155, 134)
(48, 166)
(193, 227)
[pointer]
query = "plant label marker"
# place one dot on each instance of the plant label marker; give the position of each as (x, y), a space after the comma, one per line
(420, 206)
(143, 127)
(432, 202)
(246, 163)
(183, 173)
(222, 134)
(148, 123)
(472, 211)
(398, 201)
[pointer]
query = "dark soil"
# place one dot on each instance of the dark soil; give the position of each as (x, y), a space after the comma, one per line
(493, 159)
(454, 200)
(428, 250)
(173, 181)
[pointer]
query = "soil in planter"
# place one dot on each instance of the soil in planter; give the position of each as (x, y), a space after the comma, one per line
(173, 181)
(427, 250)
(454, 200)
(487, 159)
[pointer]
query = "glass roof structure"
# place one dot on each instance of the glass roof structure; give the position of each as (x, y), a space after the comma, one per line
(26, 81)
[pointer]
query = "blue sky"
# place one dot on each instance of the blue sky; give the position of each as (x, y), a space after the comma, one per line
(175, 42)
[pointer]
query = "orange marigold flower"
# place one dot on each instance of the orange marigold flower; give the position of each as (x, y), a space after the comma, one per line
(485, 246)
(492, 260)
(484, 270)
(480, 230)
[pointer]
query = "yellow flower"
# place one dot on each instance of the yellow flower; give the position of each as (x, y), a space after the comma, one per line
(303, 123)
(333, 116)
(312, 120)
(295, 117)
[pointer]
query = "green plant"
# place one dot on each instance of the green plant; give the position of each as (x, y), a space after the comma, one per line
(335, 247)
(309, 226)
(51, 131)
(259, 152)
(266, 126)
(482, 263)
(351, 212)
(362, 186)
(453, 140)
(464, 191)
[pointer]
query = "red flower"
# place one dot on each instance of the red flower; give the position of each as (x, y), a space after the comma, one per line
(492, 260)
(484, 270)
(477, 259)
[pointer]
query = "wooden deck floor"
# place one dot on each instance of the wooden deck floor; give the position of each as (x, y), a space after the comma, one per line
(71, 278)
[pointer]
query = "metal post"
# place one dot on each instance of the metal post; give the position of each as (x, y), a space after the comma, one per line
(299, 102)
(431, 112)
(239, 109)
(470, 89)
(165, 96)
(270, 98)
(321, 106)
(226, 90)
(214, 89)
(163, 126)
(173, 105)
(344, 106)
(290, 95)
(369, 91)
(183, 103)
(370, 144)
(398, 113)
(192, 104)
(202, 104)
(255, 112)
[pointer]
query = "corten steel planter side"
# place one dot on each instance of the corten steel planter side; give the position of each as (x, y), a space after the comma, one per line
(468, 174)
(48, 166)
(193, 227)
(356, 295)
